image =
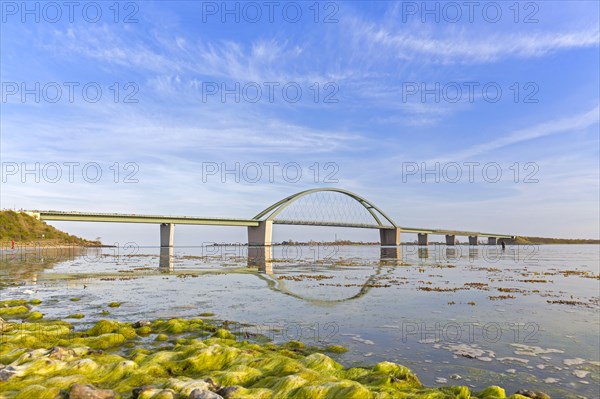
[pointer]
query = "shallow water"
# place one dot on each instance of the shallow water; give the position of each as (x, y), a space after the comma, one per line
(458, 316)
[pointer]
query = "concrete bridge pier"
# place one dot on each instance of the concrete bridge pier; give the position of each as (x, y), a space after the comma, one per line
(473, 240)
(165, 261)
(450, 239)
(492, 240)
(390, 236)
(422, 239)
(262, 234)
(167, 231)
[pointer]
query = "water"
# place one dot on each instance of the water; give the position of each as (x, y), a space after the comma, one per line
(454, 316)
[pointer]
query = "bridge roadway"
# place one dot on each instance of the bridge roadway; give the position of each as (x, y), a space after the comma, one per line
(169, 221)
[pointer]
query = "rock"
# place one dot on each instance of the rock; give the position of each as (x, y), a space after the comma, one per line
(56, 352)
(9, 371)
(227, 392)
(455, 377)
(141, 323)
(212, 385)
(204, 394)
(532, 394)
(79, 391)
(62, 394)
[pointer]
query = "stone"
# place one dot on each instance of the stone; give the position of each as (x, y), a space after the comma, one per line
(9, 371)
(141, 323)
(79, 391)
(204, 394)
(532, 394)
(228, 392)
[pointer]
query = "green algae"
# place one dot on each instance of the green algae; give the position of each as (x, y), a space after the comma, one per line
(13, 310)
(76, 299)
(335, 349)
(223, 334)
(76, 316)
(162, 337)
(143, 331)
(114, 304)
(12, 302)
(35, 302)
(33, 316)
(49, 356)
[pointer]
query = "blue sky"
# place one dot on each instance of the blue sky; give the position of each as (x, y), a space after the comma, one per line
(365, 58)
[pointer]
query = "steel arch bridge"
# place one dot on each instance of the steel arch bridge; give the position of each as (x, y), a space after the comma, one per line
(332, 207)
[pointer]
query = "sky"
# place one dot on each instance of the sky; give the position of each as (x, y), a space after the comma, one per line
(450, 115)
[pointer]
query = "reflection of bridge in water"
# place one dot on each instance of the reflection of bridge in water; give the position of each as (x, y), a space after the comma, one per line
(261, 258)
(318, 207)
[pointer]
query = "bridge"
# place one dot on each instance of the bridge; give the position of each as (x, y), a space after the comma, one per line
(316, 207)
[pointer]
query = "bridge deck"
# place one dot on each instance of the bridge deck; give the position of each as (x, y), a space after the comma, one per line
(213, 221)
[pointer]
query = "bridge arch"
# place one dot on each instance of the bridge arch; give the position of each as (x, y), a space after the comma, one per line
(271, 212)
(262, 235)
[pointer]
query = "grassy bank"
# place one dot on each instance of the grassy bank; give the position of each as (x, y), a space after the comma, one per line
(27, 230)
(181, 359)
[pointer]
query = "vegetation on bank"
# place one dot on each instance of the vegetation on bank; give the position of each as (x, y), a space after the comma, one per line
(23, 228)
(185, 359)
(546, 240)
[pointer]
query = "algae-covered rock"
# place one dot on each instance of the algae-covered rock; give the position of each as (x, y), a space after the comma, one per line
(185, 386)
(294, 345)
(492, 392)
(38, 392)
(335, 349)
(223, 334)
(109, 326)
(391, 374)
(7, 303)
(149, 392)
(35, 316)
(114, 304)
(144, 330)
(320, 362)
(79, 391)
(13, 310)
(162, 337)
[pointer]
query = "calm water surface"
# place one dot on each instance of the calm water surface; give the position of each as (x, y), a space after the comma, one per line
(527, 317)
